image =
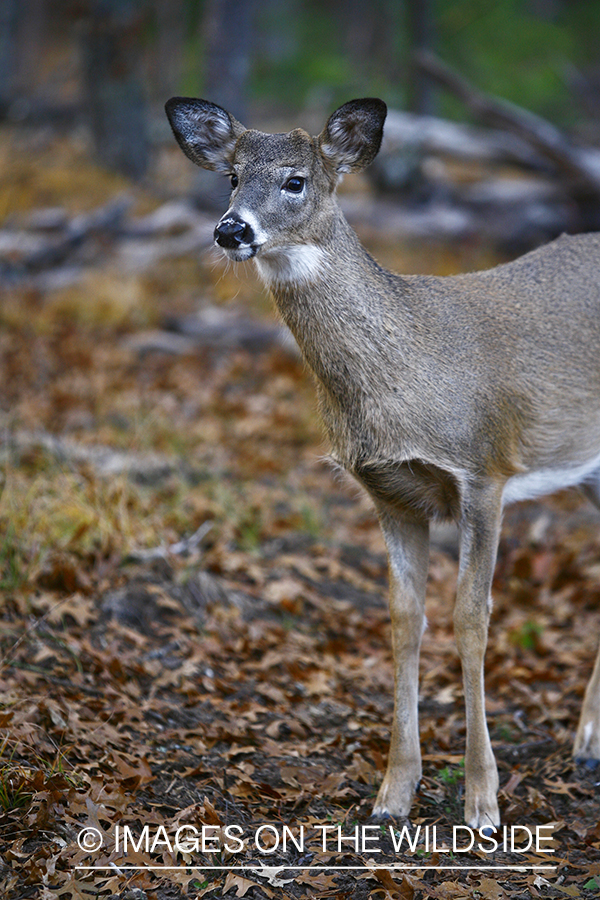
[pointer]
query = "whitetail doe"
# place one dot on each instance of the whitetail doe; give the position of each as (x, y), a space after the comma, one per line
(444, 397)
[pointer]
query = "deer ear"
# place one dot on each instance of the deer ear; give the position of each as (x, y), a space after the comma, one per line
(206, 133)
(352, 136)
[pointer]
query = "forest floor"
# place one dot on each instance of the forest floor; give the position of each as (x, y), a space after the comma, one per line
(194, 628)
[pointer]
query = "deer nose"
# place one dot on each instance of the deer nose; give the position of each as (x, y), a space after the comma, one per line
(231, 232)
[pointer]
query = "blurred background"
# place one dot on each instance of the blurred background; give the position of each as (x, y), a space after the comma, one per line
(108, 65)
(293, 53)
(99, 72)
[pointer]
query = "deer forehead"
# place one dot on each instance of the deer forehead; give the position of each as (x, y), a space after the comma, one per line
(257, 152)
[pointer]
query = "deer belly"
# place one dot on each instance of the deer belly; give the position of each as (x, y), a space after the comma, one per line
(540, 482)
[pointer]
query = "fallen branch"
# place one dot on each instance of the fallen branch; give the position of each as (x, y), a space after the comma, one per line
(105, 461)
(50, 254)
(184, 547)
(581, 164)
(406, 132)
(221, 330)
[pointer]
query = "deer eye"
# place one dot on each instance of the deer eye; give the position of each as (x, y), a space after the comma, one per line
(294, 185)
(234, 181)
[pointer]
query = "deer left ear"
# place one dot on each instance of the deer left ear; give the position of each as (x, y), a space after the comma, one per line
(352, 136)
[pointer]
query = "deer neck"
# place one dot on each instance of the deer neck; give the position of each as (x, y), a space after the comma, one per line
(353, 322)
(339, 304)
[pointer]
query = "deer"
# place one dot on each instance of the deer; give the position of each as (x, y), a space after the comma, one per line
(445, 397)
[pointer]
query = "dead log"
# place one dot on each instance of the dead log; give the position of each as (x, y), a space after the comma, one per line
(429, 135)
(220, 330)
(580, 165)
(146, 468)
(41, 254)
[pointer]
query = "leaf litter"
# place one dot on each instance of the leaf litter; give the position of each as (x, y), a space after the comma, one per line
(195, 641)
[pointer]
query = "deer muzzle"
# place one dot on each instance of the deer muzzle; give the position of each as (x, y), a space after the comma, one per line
(232, 233)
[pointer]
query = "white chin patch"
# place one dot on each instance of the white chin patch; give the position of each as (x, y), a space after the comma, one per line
(298, 264)
(240, 254)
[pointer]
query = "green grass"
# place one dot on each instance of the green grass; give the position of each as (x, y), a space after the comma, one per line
(452, 775)
(13, 566)
(14, 793)
(527, 636)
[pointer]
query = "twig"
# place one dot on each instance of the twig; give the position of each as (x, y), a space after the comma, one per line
(179, 548)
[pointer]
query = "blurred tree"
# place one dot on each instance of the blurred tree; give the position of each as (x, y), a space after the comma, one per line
(228, 32)
(421, 37)
(23, 42)
(33, 29)
(9, 19)
(112, 51)
(277, 33)
(166, 60)
(360, 29)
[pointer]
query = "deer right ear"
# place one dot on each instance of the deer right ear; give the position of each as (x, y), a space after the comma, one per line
(206, 133)
(352, 136)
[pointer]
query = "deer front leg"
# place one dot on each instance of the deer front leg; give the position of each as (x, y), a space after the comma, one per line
(408, 556)
(478, 547)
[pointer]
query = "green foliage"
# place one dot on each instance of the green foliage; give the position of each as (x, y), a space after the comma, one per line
(250, 529)
(305, 59)
(516, 50)
(311, 520)
(527, 636)
(452, 775)
(13, 791)
(13, 569)
(507, 50)
(453, 779)
(15, 787)
(508, 734)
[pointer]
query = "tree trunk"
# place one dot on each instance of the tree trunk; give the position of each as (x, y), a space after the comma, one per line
(228, 40)
(421, 92)
(115, 102)
(9, 21)
(169, 47)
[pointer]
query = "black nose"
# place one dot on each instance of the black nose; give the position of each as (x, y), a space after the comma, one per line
(232, 232)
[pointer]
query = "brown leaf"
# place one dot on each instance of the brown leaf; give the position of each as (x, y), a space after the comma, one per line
(491, 890)
(242, 885)
(404, 889)
(133, 775)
